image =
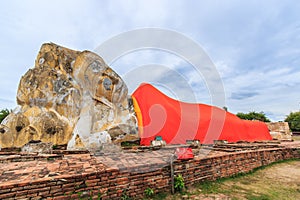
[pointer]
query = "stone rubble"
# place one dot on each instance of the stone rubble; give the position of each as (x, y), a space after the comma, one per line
(280, 130)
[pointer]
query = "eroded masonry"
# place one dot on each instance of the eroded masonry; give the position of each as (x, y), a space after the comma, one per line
(69, 98)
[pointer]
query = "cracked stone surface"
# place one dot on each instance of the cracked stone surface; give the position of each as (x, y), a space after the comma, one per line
(69, 98)
(280, 130)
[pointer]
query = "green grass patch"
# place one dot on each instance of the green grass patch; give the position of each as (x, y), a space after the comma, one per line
(209, 187)
(161, 195)
(258, 197)
(296, 137)
(262, 183)
(240, 175)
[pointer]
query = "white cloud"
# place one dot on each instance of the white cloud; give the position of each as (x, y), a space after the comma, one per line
(254, 45)
(273, 91)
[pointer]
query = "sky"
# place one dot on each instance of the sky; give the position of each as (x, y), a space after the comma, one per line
(254, 46)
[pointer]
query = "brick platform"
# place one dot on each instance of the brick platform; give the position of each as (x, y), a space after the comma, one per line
(127, 173)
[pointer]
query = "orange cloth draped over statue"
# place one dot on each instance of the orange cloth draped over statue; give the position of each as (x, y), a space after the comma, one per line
(176, 122)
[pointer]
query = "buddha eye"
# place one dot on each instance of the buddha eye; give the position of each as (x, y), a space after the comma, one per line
(107, 83)
(41, 61)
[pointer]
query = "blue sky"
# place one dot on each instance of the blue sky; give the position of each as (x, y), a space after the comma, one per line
(255, 45)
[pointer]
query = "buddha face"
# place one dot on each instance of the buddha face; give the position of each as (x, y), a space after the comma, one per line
(64, 87)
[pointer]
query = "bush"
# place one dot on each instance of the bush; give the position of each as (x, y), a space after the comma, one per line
(179, 183)
(261, 116)
(3, 114)
(149, 192)
(294, 121)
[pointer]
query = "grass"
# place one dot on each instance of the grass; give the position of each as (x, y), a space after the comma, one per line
(255, 185)
(280, 180)
(129, 144)
(160, 196)
(296, 137)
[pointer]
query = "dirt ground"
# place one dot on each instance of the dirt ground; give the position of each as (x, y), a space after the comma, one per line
(278, 181)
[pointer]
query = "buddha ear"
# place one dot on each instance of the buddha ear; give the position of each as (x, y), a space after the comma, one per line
(86, 65)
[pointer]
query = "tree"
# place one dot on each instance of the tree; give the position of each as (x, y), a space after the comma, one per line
(294, 121)
(261, 116)
(3, 114)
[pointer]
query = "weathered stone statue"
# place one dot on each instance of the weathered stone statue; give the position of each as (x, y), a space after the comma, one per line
(69, 97)
(280, 130)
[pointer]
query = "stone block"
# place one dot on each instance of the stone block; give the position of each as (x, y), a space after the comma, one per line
(280, 130)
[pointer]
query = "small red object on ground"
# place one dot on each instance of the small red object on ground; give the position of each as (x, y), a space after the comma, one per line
(184, 153)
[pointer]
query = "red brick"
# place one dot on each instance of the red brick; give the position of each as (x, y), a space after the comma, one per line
(17, 189)
(7, 186)
(111, 169)
(51, 183)
(96, 197)
(68, 193)
(74, 196)
(7, 195)
(23, 198)
(21, 193)
(44, 193)
(32, 194)
(61, 198)
(22, 184)
(4, 191)
(92, 181)
(91, 184)
(56, 191)
(33, 186)
(122, 180)
(68, 185)
(92, 177)
(55, 187)
(36, 198)
(58, 194)
(38, 190)
(64, 189)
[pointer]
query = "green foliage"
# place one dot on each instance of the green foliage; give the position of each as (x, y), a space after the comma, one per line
(261, 116)
(125, 196)
(99, 195)
(178, 183)
(249, 185)
(129, 144)
(209, 187)
(149, 192)
(3, 114)
(79, 193)
(294, 121)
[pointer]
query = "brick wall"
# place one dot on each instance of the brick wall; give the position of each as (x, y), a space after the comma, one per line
(113, 184)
